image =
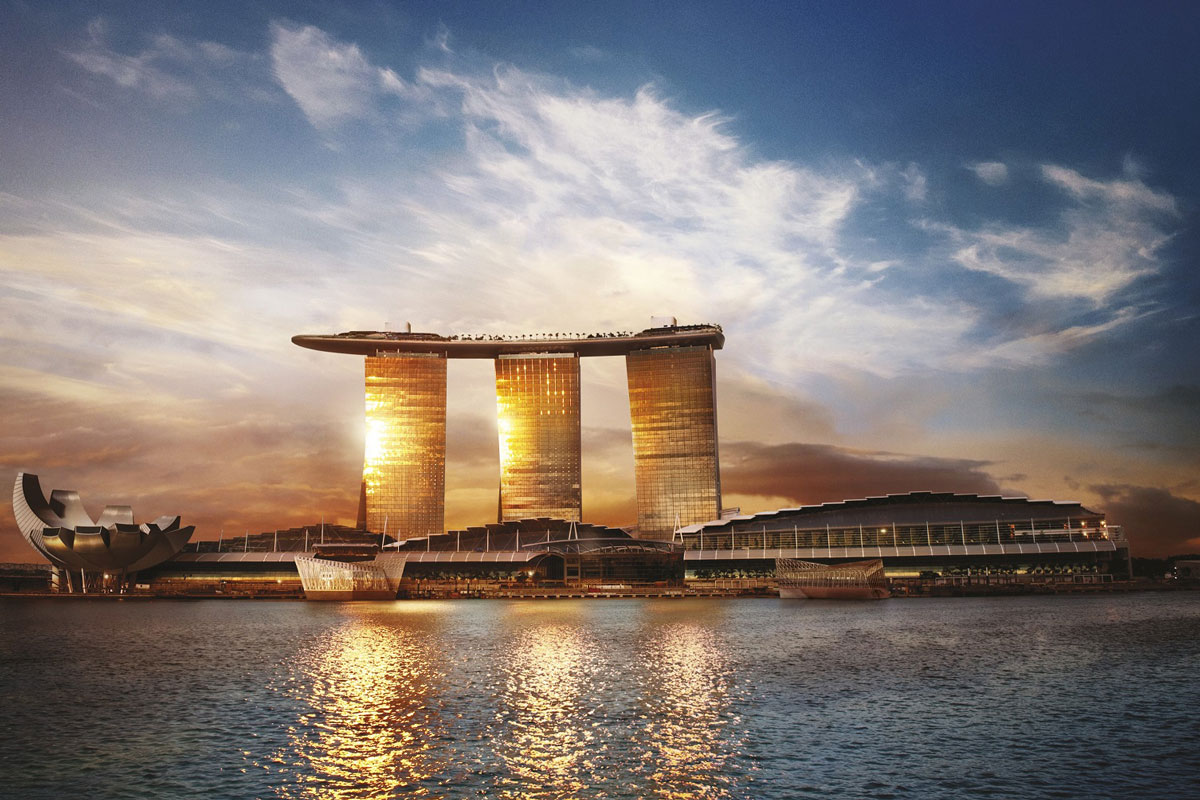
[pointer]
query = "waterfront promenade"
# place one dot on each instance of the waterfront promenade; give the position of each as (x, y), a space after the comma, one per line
(974, 586)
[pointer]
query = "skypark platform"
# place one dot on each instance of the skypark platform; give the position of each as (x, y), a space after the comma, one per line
(369, 343)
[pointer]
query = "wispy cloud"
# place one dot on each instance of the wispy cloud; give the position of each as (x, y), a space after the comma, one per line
(330, 80)
(555, 192)
(172, 69)
(1106, 239)
(562, 192)
(1044, 341)
(1130, 195)
(916, 184)
(588, 52)
(549, 192)
(992, 173)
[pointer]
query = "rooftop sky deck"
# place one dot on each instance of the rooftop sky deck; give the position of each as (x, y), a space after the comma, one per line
(368, 343)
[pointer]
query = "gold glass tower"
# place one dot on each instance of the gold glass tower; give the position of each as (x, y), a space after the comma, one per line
(537, 402)
(673, 411)
(404, 467)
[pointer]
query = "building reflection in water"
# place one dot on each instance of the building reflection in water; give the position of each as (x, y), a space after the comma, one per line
(372, 721)
(688, 733)
(542, 731)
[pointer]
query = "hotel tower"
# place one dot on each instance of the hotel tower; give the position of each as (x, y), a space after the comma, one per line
(673, 413)
(404, 462)
(537, 418)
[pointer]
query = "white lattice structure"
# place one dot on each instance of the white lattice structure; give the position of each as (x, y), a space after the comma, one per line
(856, 580)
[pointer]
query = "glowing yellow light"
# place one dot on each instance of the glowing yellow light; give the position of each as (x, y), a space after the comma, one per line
(371, 727)
(504, 428)
(689, 674)
(373, 451)
(548, 676)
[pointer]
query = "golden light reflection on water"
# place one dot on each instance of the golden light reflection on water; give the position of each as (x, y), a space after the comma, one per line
(371, 725)
(686, 712)
(543, 735)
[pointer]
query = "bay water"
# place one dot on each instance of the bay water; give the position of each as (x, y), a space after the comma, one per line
(1089, 696)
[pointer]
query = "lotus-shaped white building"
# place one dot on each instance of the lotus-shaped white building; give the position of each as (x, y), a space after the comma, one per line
(63, 532)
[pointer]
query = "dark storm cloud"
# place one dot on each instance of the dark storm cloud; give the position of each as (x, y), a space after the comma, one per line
(1163, 424)
(817, 473)
(1157, 522)
(238, 465)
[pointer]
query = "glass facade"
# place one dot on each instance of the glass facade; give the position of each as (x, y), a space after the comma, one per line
(787, 533)
(537, 403)
(673, 411)
(404, 467)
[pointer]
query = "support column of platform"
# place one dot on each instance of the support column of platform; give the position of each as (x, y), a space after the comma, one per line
(537, 404)
(673, 415)
(404, 466)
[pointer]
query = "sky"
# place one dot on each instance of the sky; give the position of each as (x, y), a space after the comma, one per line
(953, 245)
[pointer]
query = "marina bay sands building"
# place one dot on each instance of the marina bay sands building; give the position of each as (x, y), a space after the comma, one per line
(672, 403)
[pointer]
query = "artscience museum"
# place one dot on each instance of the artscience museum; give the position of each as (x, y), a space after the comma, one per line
(86, 553)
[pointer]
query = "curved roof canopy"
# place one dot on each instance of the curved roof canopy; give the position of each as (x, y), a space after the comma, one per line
(368, 343)
(908, 508)
(63, 532)
(612, 545)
